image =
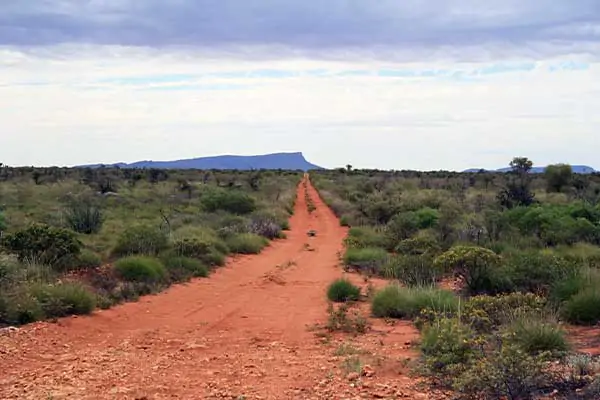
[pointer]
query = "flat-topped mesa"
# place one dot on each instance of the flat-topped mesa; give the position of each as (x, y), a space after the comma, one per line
(286, 161)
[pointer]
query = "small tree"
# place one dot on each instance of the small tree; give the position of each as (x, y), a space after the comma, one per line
(517, 192)
(471, 263)
(521, 165)
(558, 176)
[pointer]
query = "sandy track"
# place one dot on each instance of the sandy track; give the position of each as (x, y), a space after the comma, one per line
(242, 333)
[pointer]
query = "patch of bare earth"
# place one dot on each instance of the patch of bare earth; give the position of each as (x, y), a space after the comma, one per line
(586, 339)
(247, 332)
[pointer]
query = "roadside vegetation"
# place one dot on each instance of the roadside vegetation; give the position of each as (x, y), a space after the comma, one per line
(492, 268)
(73, 240)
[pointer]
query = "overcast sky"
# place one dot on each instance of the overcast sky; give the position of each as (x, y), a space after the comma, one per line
(437, 84)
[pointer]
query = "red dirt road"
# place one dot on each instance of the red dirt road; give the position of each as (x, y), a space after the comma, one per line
(243, 333)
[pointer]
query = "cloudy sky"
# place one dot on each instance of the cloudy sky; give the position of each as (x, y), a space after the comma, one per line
(412, 84)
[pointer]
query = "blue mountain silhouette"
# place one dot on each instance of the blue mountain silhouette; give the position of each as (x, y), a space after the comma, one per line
(287, 161)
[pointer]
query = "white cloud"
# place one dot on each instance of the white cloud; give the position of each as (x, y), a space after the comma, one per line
(70, 106)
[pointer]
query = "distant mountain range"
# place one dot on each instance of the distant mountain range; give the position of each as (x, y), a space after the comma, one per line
(287, 161)
(578, 169)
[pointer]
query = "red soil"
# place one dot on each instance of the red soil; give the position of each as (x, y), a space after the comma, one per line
(243, 333)
(585, 339)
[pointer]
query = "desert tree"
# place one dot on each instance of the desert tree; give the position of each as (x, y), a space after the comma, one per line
(558, 177)
(521, 165)
(517, 191)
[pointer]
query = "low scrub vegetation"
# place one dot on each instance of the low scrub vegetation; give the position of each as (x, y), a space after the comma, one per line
(72, 240)
(341, 319)
(181, 269)
(365, 259)
(140, 269)
(520, 250)
(396, 301)
(583, 308)
(246, 243)
(343, 290)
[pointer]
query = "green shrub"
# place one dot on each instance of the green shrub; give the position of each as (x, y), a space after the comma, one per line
(203, 250)
(87, 259)
(536, 336)
(399, 302)
(64, 299)
(42, 243)
(506, 372)
(206, 234)
(584, 254)
(401, 226)
(488, 313)
(214, 258)
(475, 265)
(379, 208)
(365, 237)
(343, 290)
(19, 308)
(36, 273)
(238, 222)
(233, 201)
(418, 246)
(9, 271)
(563, 290)
(141, 239)
(557, 224)
(83, 217)
(140, 269)
(246, 243)
(345, 221)
(182, 269)
(427, 217)
(446, 344)
(413, 270)
(535, 271)
(583, 308)
(370, 258)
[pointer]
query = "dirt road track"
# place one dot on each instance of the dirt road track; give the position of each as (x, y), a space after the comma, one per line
(242, 333)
